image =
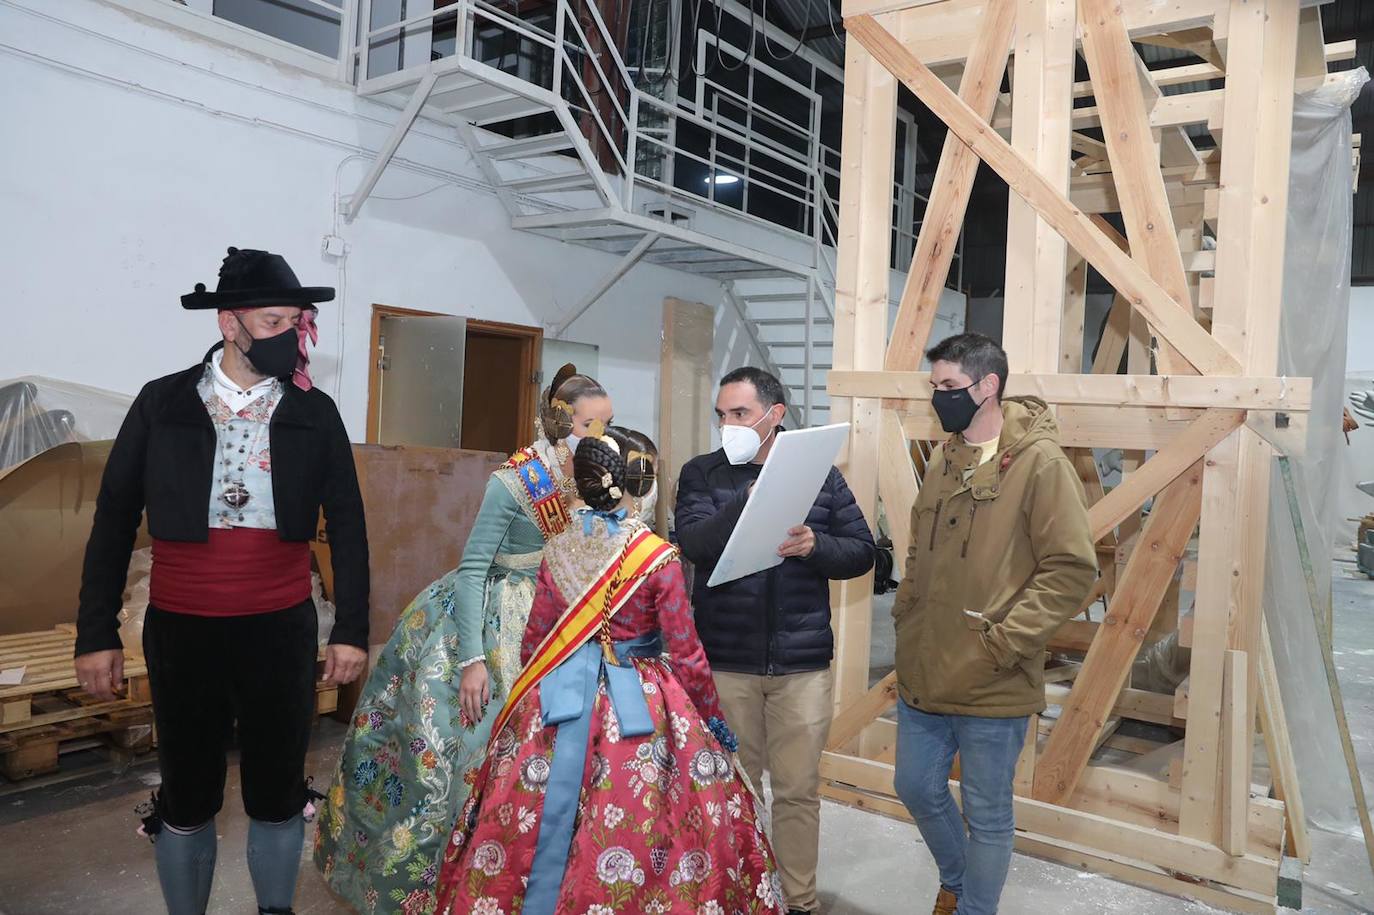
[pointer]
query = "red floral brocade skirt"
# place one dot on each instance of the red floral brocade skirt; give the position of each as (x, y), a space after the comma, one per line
(665, 823)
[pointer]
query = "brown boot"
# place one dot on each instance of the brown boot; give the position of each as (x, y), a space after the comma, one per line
(945, 903)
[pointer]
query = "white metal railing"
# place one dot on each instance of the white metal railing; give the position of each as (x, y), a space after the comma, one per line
(582, 66)
(761, 152)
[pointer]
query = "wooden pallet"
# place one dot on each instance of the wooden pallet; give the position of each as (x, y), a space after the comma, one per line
(50, 694)
(123, 733)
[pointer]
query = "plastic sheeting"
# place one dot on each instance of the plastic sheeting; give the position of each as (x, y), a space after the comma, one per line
(37, 414)
(1316, 305)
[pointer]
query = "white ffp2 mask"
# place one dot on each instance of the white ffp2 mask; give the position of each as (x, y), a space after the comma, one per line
(741, 443)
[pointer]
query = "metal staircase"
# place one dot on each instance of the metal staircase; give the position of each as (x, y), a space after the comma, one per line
(576, 151)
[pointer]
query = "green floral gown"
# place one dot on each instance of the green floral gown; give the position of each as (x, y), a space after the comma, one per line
(410, 752)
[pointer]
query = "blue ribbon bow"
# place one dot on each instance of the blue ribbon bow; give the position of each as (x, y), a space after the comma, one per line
(612, 520)
(567, 697)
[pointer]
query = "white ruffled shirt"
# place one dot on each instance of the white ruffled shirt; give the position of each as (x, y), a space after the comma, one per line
(234, 396)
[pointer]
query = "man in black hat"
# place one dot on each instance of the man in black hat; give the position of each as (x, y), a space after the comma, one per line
(232, 459)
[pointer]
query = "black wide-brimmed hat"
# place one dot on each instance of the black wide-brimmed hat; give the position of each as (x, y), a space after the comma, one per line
(255, 279)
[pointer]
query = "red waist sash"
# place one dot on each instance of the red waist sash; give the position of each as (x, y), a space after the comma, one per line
(237, 572)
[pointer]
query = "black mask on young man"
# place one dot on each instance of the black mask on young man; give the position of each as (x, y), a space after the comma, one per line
(955, 408)
(274, 357)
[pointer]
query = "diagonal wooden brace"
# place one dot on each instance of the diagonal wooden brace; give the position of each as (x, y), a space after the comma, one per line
(1159, 471)
(1108, 662)
(954, 175)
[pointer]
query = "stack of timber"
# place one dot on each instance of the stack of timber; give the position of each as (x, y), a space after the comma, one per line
(1197, 328)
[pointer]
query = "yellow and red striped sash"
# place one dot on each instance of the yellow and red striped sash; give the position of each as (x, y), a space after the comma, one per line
(645, 553)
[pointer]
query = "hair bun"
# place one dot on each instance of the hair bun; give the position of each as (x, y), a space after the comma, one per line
(641, 461)
(560, 377)
(599, 472)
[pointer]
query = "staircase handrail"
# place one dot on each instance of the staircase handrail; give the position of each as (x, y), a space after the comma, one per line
(564, 59)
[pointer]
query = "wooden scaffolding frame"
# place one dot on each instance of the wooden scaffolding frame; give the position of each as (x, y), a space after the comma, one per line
(1200, 393)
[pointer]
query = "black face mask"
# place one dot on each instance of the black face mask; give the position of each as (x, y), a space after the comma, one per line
(274, 357)
(955, 408)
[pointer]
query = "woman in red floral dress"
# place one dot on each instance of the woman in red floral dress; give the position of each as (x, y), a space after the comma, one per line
(609, 785)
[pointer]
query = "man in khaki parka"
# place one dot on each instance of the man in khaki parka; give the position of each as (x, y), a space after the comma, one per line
(1000, 556)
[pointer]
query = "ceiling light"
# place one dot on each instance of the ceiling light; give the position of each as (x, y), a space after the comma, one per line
(722, 178)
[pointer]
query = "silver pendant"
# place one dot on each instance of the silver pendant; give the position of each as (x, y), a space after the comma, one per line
(235, 495)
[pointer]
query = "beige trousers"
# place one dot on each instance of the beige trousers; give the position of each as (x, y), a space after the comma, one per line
(782, 724)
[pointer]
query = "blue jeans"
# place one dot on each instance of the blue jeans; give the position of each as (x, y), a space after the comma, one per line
(973, 861)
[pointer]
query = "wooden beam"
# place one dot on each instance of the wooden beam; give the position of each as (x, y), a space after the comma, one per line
(1183, 110)
(1115, 70)
(1140, 873)
(1115, 332)
(939, 236)
(1086, 465)
(1196, 41)
(1162, 469)
(945, 31)
(1108, 662)
(1198, 73)
(1187, 856)
(1120, 867)
(1235, 774)
(1078, 635)
(1096, 194)
(1130, 795)
(862, 281)
(1172, 319)
(1311, 63)
(1217, 571)
(1261, 44)
(1075, 312)
(1042, 88)
(1139, 704)
(1279, 748)
(860, 713)
(1286, 394)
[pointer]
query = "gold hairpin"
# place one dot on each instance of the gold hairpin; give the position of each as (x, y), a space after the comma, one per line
(597, 429)
(562, 406)
(644, 456)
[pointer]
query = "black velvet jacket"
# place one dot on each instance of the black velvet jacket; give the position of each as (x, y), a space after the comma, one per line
(162, 463)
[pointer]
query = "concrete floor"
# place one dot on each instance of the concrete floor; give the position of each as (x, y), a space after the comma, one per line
(71, 847)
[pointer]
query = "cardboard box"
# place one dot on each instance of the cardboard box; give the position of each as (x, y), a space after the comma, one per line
(421, 504)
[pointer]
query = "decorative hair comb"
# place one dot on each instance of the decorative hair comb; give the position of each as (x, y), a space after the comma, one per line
(644, 456)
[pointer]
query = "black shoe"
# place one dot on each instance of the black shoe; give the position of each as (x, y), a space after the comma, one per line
(799, 912)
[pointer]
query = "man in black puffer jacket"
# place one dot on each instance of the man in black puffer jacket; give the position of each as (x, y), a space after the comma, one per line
(768, 635)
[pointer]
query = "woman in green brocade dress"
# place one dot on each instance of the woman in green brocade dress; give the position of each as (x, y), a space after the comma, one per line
(422, 723)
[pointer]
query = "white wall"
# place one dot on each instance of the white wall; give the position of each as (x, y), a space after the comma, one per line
(1359, 357)
(135, 153)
